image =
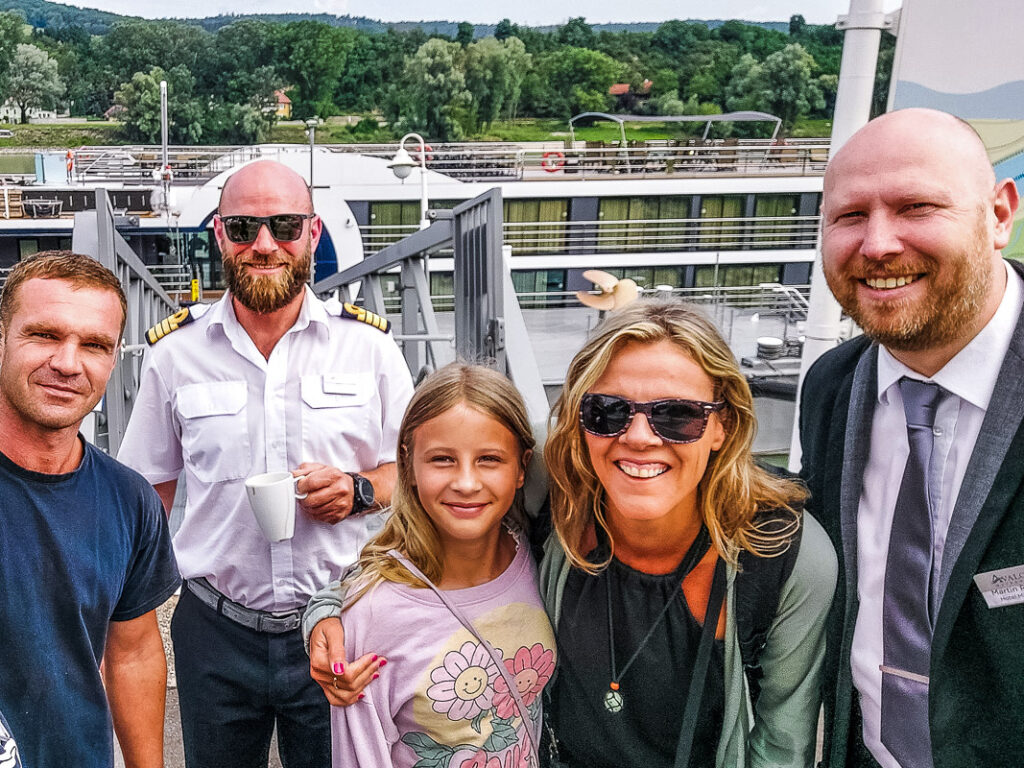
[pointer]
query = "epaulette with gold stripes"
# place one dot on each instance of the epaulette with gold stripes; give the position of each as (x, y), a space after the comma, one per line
(352, 312)
(183, 316)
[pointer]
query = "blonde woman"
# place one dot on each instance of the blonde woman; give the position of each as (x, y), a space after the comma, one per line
(659, 510)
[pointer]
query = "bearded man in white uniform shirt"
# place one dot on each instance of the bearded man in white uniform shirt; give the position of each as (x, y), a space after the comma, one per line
(267, 379)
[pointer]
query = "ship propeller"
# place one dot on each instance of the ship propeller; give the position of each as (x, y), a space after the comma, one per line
(614, 294)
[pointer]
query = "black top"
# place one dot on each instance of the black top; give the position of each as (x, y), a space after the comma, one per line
(654, 688)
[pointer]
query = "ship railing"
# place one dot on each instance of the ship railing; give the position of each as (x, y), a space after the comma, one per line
(606, 236)
(489, 161)
(550, 160)
(95, 235)
(750, 159)
(789, 300)
(173, 278)
(141, 163)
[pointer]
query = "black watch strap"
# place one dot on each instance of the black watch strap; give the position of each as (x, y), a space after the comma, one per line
(363, 498)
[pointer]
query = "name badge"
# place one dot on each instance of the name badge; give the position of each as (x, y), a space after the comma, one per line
(340, 384)
(1003, 587)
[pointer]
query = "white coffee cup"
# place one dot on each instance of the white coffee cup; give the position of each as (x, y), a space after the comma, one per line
(272, 497)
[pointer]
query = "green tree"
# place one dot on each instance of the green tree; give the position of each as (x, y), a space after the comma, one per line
(140, 98)
(431, 96)
(12, 25)
(465, 33)
(313, 56)
(137, 46)
(571, 80)
(674, 38)
(505, 29)
(576, 32)
(797, 24)
(243, 54)
(784, 84)
(705, 69)
(33, 80)
(227, 123)
(494, 77)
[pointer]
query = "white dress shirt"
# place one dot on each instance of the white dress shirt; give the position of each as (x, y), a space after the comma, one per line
(211, 407)
(969, 378)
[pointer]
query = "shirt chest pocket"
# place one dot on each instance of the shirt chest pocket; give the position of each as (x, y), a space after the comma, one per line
(215, 429)
(339, 412)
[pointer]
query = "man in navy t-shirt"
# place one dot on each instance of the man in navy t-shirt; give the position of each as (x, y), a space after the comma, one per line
(85, 555)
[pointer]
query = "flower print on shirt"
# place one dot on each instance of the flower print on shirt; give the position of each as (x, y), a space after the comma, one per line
(530, 668)
(464, 684)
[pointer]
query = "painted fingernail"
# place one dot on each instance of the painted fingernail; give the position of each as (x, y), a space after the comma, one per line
(339, 668)
(375, 657)
(382, 663)
(375, 676)
(362, 695)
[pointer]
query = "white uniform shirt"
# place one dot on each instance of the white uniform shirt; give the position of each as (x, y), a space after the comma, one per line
(209, 405)
(970, 377)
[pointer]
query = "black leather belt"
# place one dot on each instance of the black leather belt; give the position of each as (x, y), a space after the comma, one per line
(261, 621)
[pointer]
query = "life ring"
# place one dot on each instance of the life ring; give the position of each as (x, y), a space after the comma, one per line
(70, 160)
(553, 161)
(428, 150)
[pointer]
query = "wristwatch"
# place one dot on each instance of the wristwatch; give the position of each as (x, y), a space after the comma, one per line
(363, 499)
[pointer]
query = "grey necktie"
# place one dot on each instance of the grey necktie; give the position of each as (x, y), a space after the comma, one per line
(906, 619)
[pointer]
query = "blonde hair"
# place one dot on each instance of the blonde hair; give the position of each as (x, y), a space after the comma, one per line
(409, 528)
(733, 489)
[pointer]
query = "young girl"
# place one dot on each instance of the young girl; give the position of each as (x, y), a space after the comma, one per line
(473, 648)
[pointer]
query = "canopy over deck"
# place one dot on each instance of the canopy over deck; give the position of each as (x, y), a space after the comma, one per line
(728, 117)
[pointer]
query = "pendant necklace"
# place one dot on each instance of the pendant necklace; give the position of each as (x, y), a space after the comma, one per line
(613, 700)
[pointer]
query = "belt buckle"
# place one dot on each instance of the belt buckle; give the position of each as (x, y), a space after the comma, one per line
(288, 618)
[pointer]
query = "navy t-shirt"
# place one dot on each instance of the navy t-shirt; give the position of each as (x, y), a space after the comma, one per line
(77, 551)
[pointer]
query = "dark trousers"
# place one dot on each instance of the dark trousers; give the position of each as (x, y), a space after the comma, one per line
(235, 684)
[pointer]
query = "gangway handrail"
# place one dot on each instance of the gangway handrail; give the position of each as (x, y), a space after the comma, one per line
(95, 235)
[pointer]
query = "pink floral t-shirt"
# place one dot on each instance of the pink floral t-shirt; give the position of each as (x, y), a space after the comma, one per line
(440, 700)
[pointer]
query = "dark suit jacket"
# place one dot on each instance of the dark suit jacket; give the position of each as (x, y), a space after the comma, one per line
(976, 696)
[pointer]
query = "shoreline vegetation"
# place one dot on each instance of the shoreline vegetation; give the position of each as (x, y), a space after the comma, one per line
(107, 133)
(253, 80)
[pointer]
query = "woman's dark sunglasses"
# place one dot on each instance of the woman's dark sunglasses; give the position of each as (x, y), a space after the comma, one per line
(284, 227)
(675, 421)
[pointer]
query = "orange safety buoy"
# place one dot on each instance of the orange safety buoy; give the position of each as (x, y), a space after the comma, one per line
(552, 161)
(429, 153)
(70, 160)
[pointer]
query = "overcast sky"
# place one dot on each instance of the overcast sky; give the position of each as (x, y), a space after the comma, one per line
(529, 12)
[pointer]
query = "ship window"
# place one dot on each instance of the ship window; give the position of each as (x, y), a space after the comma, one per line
(442, 291)
(535, 226)
(718, 232)
(736, 275)
(27, 246)
(635, 223)
(778, 234)
(539, 287)
(649, 277)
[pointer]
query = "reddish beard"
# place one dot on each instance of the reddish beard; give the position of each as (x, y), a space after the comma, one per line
(267, 293)
(957, 290)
